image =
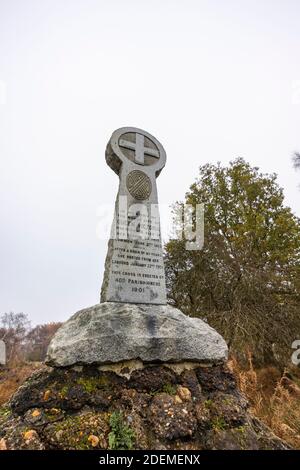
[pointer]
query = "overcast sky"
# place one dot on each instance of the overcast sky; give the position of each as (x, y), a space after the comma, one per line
(212, 80)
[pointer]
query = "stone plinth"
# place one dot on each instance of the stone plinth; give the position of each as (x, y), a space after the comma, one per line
(72, 408)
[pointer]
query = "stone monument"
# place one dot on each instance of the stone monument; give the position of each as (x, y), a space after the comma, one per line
(134, 268)
(133, 321)
(133, 359)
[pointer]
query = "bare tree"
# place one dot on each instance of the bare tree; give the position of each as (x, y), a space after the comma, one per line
(38, 340)
(13, 330)
(296, 160)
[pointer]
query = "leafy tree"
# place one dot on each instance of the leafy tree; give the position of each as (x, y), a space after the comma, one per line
(246, 280)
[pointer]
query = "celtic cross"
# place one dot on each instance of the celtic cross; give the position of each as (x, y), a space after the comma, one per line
(134, 269)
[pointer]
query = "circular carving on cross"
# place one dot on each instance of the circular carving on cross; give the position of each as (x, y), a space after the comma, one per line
(138, 185)
(134, 148)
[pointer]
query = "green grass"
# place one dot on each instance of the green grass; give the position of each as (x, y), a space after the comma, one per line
(219, 423)
(169, 389)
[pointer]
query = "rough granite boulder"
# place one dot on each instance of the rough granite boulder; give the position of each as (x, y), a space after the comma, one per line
(113, 332)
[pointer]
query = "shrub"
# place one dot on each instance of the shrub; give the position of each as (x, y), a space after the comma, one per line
(121, 436)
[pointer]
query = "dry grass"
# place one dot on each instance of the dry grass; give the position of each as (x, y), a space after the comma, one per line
(274, 398)
(12, 377)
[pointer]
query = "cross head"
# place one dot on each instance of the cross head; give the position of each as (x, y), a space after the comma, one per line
(139, 148)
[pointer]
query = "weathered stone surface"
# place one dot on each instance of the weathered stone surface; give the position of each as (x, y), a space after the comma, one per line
(172, 419)
(2, 352)
(114, 332)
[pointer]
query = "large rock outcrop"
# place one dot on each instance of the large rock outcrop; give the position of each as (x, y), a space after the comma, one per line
(133, 405)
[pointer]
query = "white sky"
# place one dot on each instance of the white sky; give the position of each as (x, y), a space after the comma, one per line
(212, 80)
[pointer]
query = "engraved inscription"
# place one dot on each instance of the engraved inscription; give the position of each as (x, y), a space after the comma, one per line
(137, 269)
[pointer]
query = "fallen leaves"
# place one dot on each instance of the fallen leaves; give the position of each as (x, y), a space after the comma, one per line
(46, 395)
(3, 445)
